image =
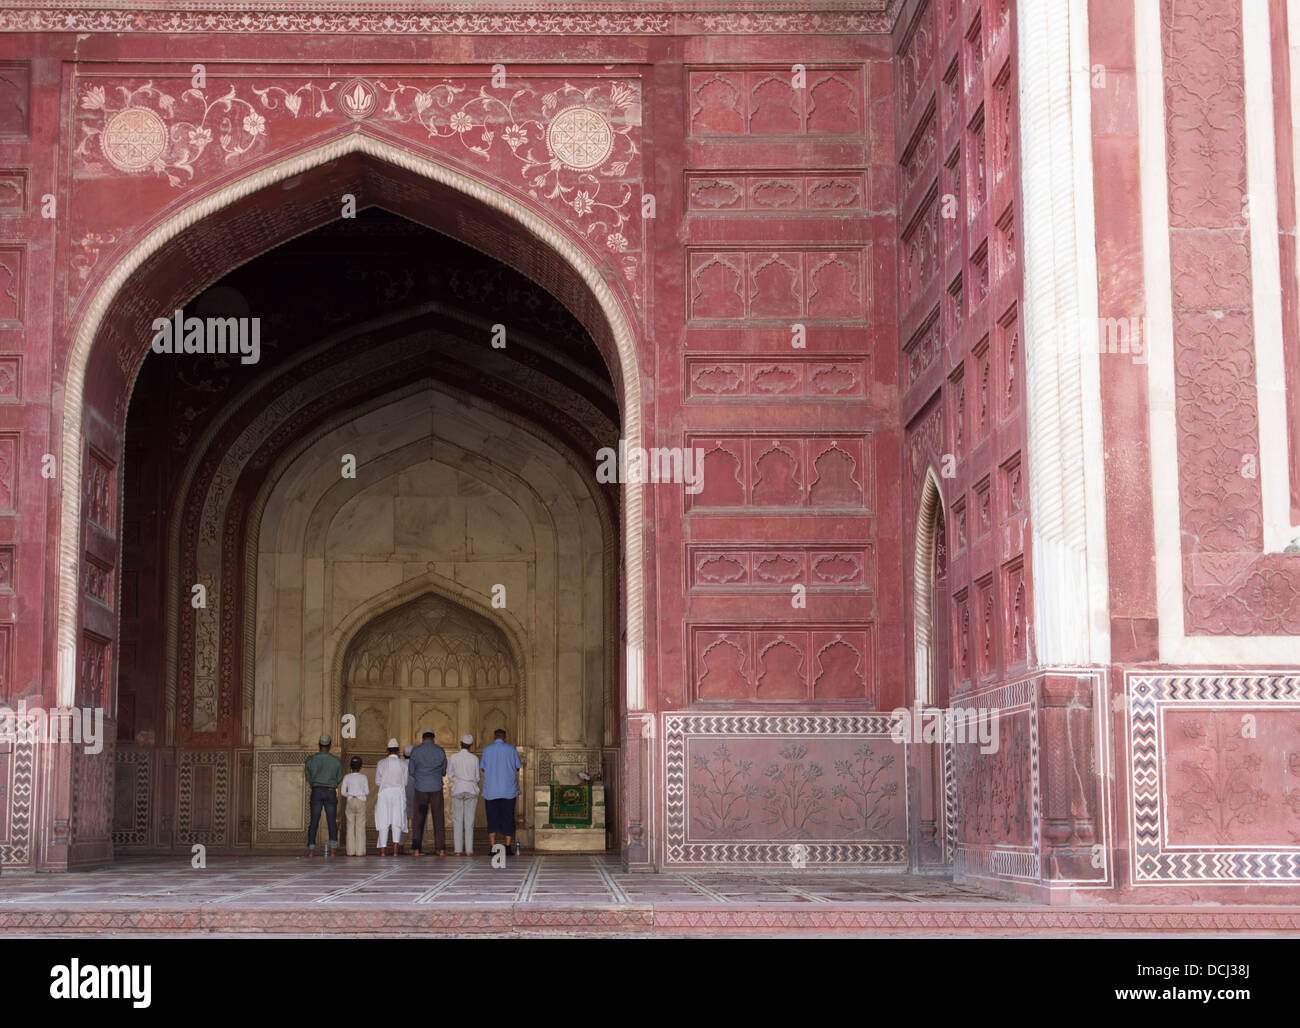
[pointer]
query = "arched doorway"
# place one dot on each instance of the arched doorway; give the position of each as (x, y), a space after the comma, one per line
(930, 578)
(208, 733)
(930, 761)
(430, 664)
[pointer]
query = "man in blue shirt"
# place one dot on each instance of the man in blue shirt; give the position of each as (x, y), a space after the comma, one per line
(427, 767)
(500, 766)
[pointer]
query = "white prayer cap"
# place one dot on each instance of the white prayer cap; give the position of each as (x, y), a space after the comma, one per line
(467, 739)
(392, 744)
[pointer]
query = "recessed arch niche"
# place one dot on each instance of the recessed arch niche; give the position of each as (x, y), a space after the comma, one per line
(428, 664)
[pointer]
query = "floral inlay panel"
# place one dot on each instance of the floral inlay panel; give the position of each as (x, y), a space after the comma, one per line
(768, 788)
(570, 147)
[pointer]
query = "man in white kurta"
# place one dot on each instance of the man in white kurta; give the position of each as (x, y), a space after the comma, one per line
(390, 806)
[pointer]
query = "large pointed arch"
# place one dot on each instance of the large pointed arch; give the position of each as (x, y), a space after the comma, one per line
(622, 334)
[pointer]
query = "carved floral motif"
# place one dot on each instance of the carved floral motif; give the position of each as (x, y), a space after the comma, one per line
(794, 801)
(572, 145)
(722, 793)
(1219, 788)
(862, 798)
(132, 134)
(1230, 588)
(736, 782)
(429, 642)
(994, 789)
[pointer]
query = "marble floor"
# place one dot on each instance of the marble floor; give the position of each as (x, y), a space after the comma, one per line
(394, 881)
(560, 894)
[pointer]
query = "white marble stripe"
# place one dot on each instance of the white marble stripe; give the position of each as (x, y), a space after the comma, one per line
(528, 887)
(615, 890)
(430, 894)
(1059, 329)
(344, 890)
(1093, 467)
(703, 890)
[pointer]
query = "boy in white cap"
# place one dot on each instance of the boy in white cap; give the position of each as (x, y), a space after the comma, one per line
(390, 806)
(354, 790)
(463, 771)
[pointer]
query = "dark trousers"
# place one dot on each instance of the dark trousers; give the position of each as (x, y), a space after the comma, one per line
(323, 797)
(425, 803)
(501, 816)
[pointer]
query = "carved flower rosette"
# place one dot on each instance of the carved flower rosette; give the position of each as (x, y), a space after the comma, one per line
(147, 130)
(570, 145)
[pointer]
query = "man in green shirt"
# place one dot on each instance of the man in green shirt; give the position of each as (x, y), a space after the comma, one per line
(324, 771)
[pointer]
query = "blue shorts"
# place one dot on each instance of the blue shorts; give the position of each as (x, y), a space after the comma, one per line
(501, 816)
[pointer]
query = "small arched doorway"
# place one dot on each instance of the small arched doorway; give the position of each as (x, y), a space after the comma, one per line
(930, 762)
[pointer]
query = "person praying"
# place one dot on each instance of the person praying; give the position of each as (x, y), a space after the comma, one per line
(428, 767)
(462, 769)
(323, 771)
(390, 806)
(500, 764)
(354, 790)
(410, 795)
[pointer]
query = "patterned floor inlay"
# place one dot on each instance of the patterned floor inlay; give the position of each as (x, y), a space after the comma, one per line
(550, 894)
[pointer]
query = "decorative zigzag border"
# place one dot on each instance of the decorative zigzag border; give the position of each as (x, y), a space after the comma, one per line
(186, 833)
(138, 763)
(1035, 789)
(16, 851)
(949, 804)
(1002, 863)
(1147, 695)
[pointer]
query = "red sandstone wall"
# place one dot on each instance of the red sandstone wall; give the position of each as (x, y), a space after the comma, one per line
(789, 227)
(962, 399)
(775, 222)
(29, 140)
(777, 206)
